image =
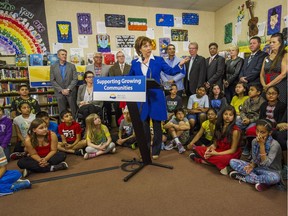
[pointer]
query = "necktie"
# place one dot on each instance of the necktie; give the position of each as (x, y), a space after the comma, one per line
(250, 58)
(122, 68)
(210, 60)
(190, 66)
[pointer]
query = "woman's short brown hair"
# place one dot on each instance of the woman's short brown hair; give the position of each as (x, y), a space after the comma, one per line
(140, 41)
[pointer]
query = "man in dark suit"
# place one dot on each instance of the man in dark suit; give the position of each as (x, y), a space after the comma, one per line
(250, 72)
(195, 70)
(63, 77)
(215, 65)
(120, 68)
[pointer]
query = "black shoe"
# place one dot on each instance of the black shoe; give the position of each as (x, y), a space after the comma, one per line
(79, 152)
(60, 166)
(238, 176)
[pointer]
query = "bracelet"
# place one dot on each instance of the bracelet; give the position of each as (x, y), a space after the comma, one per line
(262, 154)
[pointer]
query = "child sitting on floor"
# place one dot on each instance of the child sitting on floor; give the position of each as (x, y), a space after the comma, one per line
(126, 135)
(173, 101)
(178, 127)
(41, 145)
(207, 129)
(98, 138)
(226, 142)
(52, 126)
(70, 132)
(5, 132)
(265, 167)
(10, 179)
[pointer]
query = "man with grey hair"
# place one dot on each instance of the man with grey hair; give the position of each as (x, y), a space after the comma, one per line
(120, 67)
(98, 68)
(195, 70)
(63, 77)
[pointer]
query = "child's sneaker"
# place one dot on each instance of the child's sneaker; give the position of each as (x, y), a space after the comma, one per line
(181, 149)
(261, 187)
(17, 155)
(79, 152)
(133, 146)
(89, 155)
(114, 150)
(61, 166)
(169, 146)
(238, 176)
(20, 185)
(26, 173)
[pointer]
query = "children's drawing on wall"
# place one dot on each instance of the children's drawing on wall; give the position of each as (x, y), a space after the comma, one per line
(241, 13)
(228, 33)
(179, 35)
(163, 43)
(274, 20)
(84, 23)
(64, 32)
(153, 44)
(103, 43)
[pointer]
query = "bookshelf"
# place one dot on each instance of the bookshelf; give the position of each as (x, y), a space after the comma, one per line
(11, 76)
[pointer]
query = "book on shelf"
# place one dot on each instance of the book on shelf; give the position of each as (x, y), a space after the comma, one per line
(4, 87)
(14, 74)
(21, 60)
(36, 59)
(52, 58)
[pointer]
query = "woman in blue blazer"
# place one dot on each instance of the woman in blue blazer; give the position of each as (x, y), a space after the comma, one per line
(155, 106)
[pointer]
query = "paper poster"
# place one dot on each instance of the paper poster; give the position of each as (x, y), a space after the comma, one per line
(274, 20)
(261, 29)
(84, 23)
(163, 43)
(90, 59)
(154, 45)
(125, 41)
(179, 35)
(167, 32)
(238, 28)
(137, 24)
(185, 45)
(241, 13)
(164, 20)
(57, 46)
(115, 20)
(101, 29)
(103, 43)
(82, 41)
(228, 33)
(76, 55)
(150, 33)
(190, 18)
(64, 31)
(178, 22)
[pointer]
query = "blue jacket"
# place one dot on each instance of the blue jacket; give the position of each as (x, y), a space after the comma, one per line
(155, 105)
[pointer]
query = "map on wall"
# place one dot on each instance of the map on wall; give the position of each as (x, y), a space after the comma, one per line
(23, 27)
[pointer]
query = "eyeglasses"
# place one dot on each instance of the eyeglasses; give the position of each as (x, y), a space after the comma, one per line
(272, 93)
(120, 56)
(98, 57)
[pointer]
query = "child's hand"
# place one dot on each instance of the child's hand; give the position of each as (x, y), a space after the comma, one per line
(190, 146)
(248, 169)
(120, 141)
(261, 139)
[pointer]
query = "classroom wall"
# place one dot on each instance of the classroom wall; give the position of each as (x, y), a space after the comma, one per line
(229, 12)
(66, 11)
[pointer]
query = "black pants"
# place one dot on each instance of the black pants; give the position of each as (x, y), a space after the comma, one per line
(88, 109)
(157, 139)
(33, 165)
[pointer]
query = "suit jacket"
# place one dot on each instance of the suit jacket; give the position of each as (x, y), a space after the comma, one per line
(197, 74)
(104, 69)
(215, 70)
(81, 93)
(70, 81)
(116, 71)
(252, 70)
(155, 105)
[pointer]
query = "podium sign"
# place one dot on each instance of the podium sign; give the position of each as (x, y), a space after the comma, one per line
(121, 88)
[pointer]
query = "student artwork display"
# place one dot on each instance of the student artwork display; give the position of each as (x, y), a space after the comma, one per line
(274, 20)
(109, 58)
(23, 27)
(76, 55)
(51, 59)
(84, 23)
(90, 59)
(36, 60)
(115, 20)
(103, 43)
(137, 24)
(125, 41)
(228, 33)
(163, 43)
(179, 35)
(64, 32)
(164, 20)
(190, 18)
(154, 46)
(241, 13)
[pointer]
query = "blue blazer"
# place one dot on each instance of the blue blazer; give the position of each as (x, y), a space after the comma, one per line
(155, 105)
